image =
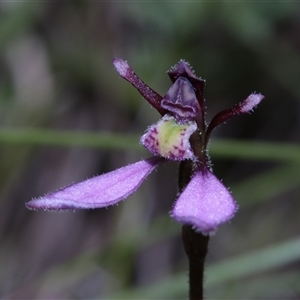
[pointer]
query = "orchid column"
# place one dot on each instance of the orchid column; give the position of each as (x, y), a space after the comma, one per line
(180, 135)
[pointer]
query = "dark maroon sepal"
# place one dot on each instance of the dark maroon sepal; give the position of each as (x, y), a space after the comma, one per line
(245, 106)
(181, 100)
(149, 94)
(183, 69)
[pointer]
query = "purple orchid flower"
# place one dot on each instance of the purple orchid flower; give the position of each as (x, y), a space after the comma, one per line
(181, 135)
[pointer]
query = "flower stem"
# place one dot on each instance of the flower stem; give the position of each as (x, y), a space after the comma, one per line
(195, 246)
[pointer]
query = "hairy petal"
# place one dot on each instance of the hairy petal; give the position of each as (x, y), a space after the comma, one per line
(245, 106)
(205, 203)
(250, 102)
(149, 94)
(170, 139)
(100, 191)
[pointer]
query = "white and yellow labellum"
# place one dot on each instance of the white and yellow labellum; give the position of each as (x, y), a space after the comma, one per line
(170, 139)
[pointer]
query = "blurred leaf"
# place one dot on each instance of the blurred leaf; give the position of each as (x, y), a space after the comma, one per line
(68, 139)
(16, 20)
(256, 150)
(261, 187)
(284, 285)
(257, 261)
(231, 269)
(275, 286)
(220, 148)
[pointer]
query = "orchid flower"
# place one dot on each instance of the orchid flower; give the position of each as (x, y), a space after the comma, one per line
(180, 135)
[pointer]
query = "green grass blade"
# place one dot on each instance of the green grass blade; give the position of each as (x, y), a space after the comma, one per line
(231, 269)
(220, 148)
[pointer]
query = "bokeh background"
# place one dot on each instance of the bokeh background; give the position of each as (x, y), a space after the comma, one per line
(66, 115)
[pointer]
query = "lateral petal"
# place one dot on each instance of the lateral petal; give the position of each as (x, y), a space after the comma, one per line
(99, 191)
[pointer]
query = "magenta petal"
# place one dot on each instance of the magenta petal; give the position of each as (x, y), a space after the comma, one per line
(100, 191)
(205, 203)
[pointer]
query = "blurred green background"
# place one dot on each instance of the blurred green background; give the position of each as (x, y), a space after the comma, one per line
(66, 115)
